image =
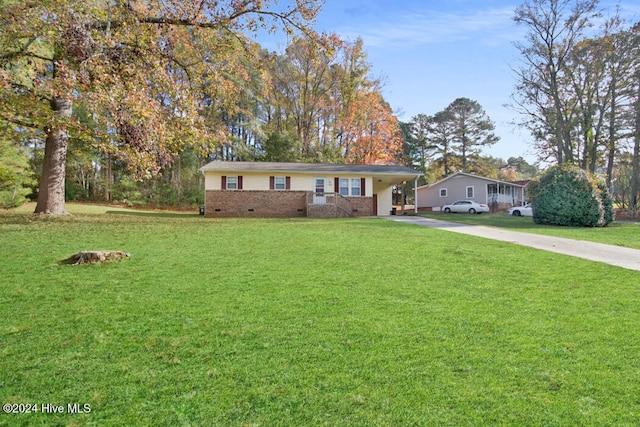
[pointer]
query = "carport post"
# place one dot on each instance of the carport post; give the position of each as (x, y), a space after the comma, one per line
(415, 196)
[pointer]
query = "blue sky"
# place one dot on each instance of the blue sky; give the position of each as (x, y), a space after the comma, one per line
(429, 53)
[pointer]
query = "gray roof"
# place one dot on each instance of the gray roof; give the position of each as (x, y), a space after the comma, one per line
(494, 180)
(320, 168)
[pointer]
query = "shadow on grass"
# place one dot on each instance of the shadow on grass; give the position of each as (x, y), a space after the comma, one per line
(502, 220)
(494, 220)
(154, 214)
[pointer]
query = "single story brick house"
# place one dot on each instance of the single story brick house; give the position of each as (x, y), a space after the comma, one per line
(268, 189)
(497, 194)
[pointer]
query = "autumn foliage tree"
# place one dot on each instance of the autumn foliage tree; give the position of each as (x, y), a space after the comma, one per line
(371, 133)
(153, 74)
(321, 105)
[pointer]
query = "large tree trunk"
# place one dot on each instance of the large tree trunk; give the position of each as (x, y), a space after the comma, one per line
(51, 190)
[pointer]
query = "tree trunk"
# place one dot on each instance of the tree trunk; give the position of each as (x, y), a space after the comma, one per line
(612, 133)
(108, 179)
(51, 189)
(635, 178)
(559, 123)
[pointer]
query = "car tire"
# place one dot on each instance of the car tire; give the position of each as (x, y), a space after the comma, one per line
(516, 213)
(447, 210)
(472, 211)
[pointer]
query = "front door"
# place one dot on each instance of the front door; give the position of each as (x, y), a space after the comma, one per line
(318, 191)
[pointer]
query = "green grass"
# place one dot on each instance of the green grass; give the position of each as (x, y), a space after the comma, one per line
(625, 234)
(356, 322)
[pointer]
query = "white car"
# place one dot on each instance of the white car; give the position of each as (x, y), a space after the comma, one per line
(525, 210)
(464, 206)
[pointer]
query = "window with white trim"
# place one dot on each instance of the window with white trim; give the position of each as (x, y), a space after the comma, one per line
(443, 192)
(232, 183)
(355, 187)
(344, 186)
(470, 192)
(279, 183)
(350, 187)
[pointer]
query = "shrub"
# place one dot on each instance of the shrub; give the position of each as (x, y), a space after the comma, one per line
(16, 176)
(126, 191)
(570, 196)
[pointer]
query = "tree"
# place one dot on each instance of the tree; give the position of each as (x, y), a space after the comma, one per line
(472, 128)
(372, 131)
(15, 175)
(419, 134)
(442, 138)
(585, 70)
(623, 50)
(553, 27)
(302, 83)
(635, 177)
(409, 156)
(522, 167)
(281, 147)
(623, 185)
(144, 69)
(321, 100)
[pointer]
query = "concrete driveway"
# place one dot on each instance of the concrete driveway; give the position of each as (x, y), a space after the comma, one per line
(609, 254)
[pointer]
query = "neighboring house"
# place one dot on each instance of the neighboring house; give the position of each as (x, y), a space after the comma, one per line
(497, 194)
(265, 189)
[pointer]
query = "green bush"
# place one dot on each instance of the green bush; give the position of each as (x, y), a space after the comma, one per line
(570, 196)
(126, 191)
(16, 177)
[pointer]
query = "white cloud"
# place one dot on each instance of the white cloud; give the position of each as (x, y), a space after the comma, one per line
(409, 29)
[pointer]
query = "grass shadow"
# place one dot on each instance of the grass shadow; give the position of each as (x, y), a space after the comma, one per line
(67, 261)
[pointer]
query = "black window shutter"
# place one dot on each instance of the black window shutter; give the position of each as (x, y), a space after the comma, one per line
(363, 182)
(288, 183)
(239, 182)
(272, 182)
(336, 185)
(224, 182)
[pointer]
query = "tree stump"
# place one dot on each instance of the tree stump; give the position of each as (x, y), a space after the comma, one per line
(86, 257)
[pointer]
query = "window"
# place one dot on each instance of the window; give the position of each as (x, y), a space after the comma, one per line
(470, 192)
(232, 183)
(355, 187)
(350, 186)
(279, 183)
(443, 192)
(344, 186)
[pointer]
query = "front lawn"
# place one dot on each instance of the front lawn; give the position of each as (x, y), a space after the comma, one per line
(618, 233)
(355, 322)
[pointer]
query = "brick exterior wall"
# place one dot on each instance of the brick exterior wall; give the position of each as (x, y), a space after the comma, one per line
(261, 204)
(274, 204)
(362, 206)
